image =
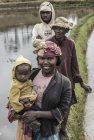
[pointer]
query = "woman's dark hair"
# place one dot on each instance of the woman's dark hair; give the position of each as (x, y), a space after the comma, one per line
(58, 60)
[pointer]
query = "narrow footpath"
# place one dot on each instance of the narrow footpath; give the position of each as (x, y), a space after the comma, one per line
(89, 109)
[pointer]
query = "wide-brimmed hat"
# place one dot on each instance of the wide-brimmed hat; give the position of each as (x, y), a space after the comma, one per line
(47, 48)
(62, 22)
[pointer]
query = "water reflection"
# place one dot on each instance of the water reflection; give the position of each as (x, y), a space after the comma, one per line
(16, 41)
(11, 41)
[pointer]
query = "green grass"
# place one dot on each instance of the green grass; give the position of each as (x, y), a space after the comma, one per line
(80, 35)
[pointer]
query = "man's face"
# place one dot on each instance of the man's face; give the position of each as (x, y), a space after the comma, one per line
(46, 16)
(59, 32)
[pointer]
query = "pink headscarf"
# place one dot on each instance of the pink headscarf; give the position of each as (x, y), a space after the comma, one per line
(47, 48)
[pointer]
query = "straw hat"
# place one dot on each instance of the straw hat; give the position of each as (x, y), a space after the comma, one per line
(62, 22)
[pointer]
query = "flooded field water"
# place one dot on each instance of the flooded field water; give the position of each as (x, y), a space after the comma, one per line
(89, 110)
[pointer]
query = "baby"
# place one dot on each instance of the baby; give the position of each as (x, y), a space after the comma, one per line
(22, 95)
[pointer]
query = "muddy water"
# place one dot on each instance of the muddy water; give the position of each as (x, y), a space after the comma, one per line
(89, 110)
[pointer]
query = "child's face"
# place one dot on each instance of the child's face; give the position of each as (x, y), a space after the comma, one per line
(22, 72)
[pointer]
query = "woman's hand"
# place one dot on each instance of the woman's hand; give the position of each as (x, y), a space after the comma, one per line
(27, 106)
(29, 116)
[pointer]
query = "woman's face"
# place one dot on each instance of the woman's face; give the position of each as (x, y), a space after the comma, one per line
(47, 64)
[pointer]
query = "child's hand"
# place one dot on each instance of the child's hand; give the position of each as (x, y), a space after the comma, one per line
(27, 106)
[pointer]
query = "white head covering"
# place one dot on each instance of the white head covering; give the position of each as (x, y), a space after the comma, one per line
(47, 6)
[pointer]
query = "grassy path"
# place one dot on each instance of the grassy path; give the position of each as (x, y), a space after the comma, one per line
(80, 34)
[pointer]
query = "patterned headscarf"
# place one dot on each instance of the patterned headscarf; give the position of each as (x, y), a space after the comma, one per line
(47, 48)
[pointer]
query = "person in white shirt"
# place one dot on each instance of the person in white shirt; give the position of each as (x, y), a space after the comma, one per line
(43, 30)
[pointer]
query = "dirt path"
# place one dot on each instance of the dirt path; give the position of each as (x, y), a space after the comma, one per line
(89, 110)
